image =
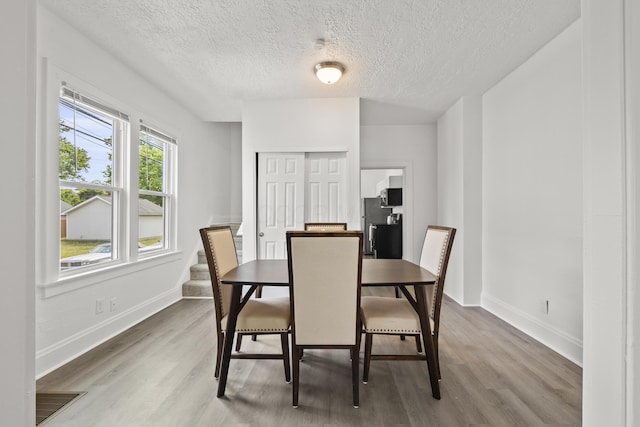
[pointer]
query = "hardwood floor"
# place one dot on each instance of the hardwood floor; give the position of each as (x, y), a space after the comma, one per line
(160, 373)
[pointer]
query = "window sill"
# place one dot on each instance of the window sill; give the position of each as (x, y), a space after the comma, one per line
(109, 272)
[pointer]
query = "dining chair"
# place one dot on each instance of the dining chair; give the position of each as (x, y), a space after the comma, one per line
(397, 316)
(262, 317)
(325, 226)
(325, 275)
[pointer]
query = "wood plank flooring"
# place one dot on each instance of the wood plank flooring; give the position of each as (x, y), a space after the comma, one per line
(160, 373)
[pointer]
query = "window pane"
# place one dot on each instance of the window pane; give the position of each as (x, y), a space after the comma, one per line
(152, 155)
(86, 218)
(151, 223)
(85, 144)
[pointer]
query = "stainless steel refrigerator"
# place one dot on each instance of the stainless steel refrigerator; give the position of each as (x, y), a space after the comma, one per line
(372, 214)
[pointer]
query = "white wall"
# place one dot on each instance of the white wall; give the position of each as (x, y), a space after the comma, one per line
(368, 180)
(608, 377)
(234, 137)
(228, 149)
(17, 165)
(66, 322)
(298, 125)
(413, 149)
(532, 196)
(460, 196)
(371, 178)
(632, 297)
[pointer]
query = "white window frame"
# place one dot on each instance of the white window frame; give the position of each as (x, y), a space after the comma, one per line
(169, 184)
(49, 279)
(121, 140)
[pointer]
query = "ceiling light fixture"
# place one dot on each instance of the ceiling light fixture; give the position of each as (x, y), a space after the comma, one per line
(329, 72)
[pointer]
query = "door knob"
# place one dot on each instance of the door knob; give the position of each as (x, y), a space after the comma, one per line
(261, 234)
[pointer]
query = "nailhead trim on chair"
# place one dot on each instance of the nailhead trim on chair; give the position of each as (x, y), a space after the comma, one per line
(437, 284)
(262, 330)
(215, 265)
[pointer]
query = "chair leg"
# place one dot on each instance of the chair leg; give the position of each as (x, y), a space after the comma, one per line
(418, 345)
(219, 354)
(238, 341)
(284, 339)
(435, 350)
(296, 374)
(355, 368)
(368, 340)
(397, 292)
(258, 294)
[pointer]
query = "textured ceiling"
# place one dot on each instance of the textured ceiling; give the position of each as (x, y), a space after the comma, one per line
(407, 60)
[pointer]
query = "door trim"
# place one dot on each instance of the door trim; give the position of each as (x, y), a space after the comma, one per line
(408, 250)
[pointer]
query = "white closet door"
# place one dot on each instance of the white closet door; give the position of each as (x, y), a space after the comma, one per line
(280, 201)
(325, 187)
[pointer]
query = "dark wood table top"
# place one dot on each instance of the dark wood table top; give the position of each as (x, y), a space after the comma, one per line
(375, 272)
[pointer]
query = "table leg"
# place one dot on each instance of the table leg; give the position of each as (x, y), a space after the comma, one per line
(232, 318)
(427, 339)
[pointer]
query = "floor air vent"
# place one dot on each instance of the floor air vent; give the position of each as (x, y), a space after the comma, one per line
(49, 404)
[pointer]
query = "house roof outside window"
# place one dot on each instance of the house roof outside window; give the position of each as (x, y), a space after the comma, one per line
(145, 207)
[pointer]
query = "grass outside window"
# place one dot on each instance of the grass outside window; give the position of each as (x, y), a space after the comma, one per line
(69, 248)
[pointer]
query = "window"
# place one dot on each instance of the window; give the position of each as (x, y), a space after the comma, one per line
(90, 141)
(97, 167)
(155, 154)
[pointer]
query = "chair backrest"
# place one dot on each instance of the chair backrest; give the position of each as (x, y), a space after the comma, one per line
(325, 226)
(221, 257)
(435, 258)
(325, 274)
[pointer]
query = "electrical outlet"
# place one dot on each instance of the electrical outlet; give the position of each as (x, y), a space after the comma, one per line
(544, 306)
(100, 305)
(112, 304)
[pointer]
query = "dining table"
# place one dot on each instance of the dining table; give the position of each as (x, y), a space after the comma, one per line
(375, 272)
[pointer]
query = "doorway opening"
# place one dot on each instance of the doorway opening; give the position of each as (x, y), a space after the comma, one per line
(382, 212)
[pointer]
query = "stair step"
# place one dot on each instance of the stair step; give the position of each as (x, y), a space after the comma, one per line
(197, 288)
(200, 272)
(200, 283)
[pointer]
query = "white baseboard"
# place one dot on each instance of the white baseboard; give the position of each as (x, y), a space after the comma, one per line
(56, 355)
(460, 303)
(562, 343)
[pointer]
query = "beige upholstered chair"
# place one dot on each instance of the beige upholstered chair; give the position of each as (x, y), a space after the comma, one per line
(263, 316)
(325, 226)
(396, 316)
(325, 274)
(313, 226)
